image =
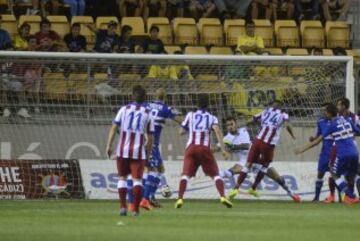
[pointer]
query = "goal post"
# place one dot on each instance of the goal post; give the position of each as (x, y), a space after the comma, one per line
(59, 106)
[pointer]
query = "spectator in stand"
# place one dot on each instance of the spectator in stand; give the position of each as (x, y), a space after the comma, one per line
(55, 5)
(47, 39)
(309, 8)
(162, 72)
(202, 8)
(126, 43)
(316, 52)
(20, 41)
(250, 43)
(153, 44)
(77, 7)
(266, 5)
(30, 11)
(126, 7)
(5, 40)
(182, 71)
(339, 51)
(232, 8)
(335, 9)
(285, 7)
(74, 41)
(175, 8)
(154, 8)
(105, 39)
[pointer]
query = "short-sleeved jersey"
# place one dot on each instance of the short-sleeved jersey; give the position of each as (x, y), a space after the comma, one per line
(134, 121)
(272, 120)
(328, 141)
(241, 137)
(199, 124)
(160, 112)
(342, 130)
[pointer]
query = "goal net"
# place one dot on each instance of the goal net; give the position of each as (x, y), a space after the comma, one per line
(59, 106)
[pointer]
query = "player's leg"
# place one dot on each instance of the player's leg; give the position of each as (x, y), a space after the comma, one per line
(123, 172)
(148, 187)
(137, 171)
(230, 173)
(318, 185)
(130, 197)
(165, 189)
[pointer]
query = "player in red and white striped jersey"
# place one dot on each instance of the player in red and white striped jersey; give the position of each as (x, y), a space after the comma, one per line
(262, 150)
(136, 127)
(199, 125)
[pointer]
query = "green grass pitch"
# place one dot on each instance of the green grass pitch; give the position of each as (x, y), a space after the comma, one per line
(196, 221)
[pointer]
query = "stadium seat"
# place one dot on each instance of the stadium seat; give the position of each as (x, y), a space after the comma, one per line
(185, 31)
(210, 83)
(137, 24)
(211, 31)
(328, 52)
(127, 81)
(56, 87)
(297, 52)
(80, 84)
(312, 34)
(195, 50)
(233, 28)
(101, 23)
(9, 23)
(163, 24)
(274, 51)
(287, 33)
(170, 49)
(264, 29)
(337, 34)
(352, 52)
(89, 35)
(59, 24)
(221, 51)
(32, 20)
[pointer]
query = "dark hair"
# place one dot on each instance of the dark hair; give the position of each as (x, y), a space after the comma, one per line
(230, 118)
(24, 25)
(112, 23)
(125, 29)
(249, 22)
(139, 93)
(178, 52)
(339, 51)
(75, 25)
(345, 102)
(44, 21)
(203, 101)
(317, 50)
(331, 109)
(154, 28)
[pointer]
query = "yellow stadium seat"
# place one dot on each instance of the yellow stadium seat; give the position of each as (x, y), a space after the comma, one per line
(185, 31)
(233, 28)
(264, 29)
(328, 52)
(80, 84)
(4, 2)
(128, 81)
(210, 83)
(59, 24)
(165, 33)
(195, 50)
(337, 34)
(56, 87)
(211, 31)
(9, 23)
(312, 34)
(297, 52)
(100, 78)
(102, 22)
(137, 24)
(352, 52)
(32, 20)
(287, 33)
(89, 35)
(221, 51)
(274, 51)
(171, 49)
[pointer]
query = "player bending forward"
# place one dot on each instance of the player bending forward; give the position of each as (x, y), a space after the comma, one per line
(199, 124)
(347, 155)
(262, 149)
(136, 128)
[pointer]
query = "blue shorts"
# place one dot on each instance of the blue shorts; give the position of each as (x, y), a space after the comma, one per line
(155, 160)
(347, 165)
(323, 164)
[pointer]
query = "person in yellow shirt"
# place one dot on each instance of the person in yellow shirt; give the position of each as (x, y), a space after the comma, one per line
(20, 41)
(162, 72)
(250, 43)
(182, 71)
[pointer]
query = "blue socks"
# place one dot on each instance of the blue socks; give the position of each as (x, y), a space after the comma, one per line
(155, 187)
(343, 186)
(318, 186)
(130, 190)
(149, 185)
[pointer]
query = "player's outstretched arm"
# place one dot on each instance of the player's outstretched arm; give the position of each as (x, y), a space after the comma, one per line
(220, 138)
(308, 146)
(289, 130)
(179, 119)
(111, 136)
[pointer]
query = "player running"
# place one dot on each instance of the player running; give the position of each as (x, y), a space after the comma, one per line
(136, 128)
(160, 112)
(199, 125)
(347, 155)
(262, 150)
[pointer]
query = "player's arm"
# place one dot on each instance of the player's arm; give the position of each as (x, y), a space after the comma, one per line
(254, 119)
(309, 145)
(220, 137)
(112, 133)
(289, 129)
(150, 137)
(318, 133)
(184, 126)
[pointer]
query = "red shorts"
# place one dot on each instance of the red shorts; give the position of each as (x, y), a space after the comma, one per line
(261, 153)
(196, 156)
(128, 166)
